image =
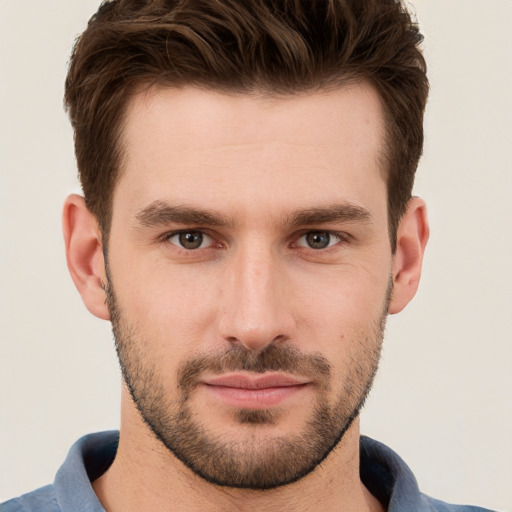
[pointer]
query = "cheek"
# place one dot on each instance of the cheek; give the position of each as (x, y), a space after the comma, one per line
(341, 312)
(347, 294)
(169, 303)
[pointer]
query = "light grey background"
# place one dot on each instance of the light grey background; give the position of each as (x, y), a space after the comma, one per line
(443, 395)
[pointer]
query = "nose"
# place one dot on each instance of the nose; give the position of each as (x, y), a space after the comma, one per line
(257, 308)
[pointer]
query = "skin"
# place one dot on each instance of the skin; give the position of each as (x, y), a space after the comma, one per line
(257, 162)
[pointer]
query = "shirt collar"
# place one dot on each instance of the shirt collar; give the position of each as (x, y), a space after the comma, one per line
(383, 472)
(87, 460)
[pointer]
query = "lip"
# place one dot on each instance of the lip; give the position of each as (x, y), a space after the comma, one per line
(246, 381)
(254, 391)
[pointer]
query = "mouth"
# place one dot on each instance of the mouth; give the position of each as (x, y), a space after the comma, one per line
(246, 391)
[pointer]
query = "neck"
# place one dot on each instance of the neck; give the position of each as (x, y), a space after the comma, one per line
(145, 476)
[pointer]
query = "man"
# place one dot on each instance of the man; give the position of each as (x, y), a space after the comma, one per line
(247, 226)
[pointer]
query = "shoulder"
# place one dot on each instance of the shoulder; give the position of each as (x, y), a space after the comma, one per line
(392, 482)
(433, 505)
(40, 500)
(71, 491)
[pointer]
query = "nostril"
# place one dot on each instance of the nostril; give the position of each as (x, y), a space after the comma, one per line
(256, 342)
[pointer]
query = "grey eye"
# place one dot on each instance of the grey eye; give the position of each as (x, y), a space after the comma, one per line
(318, 240)
(190, 240)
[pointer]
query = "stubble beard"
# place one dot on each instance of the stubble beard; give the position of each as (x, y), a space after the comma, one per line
(254, 462)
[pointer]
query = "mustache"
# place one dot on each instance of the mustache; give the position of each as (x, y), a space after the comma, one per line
(274, 357)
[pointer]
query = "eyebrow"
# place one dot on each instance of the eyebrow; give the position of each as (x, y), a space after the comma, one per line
(160, 213)
(332, 213)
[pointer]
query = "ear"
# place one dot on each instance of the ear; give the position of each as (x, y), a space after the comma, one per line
(84, 254)
(412, 237)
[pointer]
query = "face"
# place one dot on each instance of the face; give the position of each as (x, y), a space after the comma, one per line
(248, 274)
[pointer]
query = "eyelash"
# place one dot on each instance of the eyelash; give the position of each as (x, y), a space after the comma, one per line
(189, 253)
(343, 238)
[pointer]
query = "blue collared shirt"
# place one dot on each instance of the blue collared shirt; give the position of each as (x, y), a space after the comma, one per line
(383, 472)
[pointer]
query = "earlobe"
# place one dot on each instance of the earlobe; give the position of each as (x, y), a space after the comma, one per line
(84, 254)
(412, 237)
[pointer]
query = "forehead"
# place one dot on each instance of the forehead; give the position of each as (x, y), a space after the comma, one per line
(187, 144)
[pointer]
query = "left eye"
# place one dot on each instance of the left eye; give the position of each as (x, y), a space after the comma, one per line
(191, 240)
(318, 240)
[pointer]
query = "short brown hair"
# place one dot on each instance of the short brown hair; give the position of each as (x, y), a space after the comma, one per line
(276, 46)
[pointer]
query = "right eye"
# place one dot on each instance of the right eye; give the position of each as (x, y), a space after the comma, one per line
(190, 240)
(318, 240)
